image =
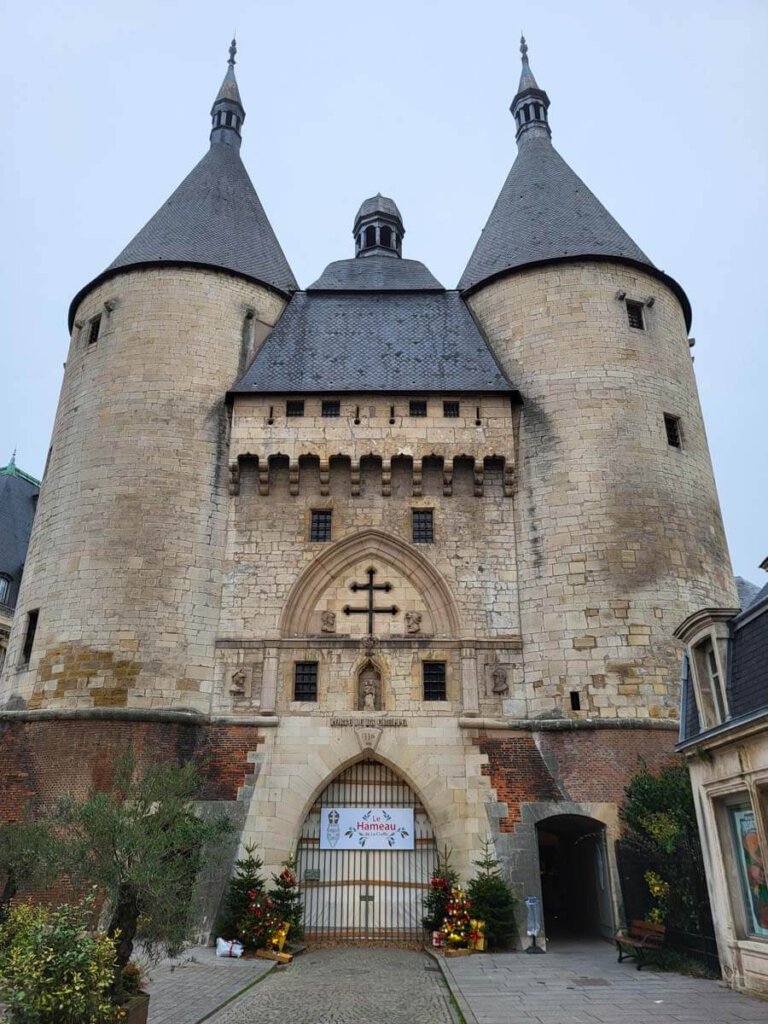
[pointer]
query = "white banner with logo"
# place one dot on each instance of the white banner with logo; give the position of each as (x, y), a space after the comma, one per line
(366, 828)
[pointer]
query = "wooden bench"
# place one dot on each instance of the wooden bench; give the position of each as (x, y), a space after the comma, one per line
(638, 939)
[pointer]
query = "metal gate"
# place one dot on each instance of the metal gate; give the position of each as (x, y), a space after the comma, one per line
(366, 894)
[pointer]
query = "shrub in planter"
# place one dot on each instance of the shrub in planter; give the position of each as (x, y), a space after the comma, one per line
(53, 970)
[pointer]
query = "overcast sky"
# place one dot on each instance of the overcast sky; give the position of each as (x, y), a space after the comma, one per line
(659, 106)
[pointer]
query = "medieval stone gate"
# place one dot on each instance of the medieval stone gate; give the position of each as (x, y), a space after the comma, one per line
(364, 894)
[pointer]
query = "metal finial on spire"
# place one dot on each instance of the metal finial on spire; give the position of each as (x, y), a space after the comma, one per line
(523, 48)
(232, 52)
(13, 458)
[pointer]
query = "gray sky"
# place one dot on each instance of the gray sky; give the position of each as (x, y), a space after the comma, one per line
(659, 106)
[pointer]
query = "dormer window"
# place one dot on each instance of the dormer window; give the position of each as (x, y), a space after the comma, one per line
(709, 683)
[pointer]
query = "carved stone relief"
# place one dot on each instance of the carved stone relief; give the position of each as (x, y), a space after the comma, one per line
(369, 689)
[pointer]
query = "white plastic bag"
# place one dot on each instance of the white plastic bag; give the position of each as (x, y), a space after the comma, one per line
(225, 947)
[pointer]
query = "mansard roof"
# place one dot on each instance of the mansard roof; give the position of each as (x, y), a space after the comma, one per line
(373, 341)
(18, 491)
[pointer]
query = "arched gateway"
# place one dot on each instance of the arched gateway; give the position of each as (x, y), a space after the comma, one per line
(365, 857)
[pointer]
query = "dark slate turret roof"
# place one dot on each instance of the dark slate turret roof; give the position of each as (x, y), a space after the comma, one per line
(545, 212)
(18, 492)
(214, 218)
(378, 204)
(375, 341)
(376, 273)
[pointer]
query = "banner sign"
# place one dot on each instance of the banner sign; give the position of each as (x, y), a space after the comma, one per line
(366, 828)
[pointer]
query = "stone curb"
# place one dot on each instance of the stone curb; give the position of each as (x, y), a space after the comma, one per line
(450, 981)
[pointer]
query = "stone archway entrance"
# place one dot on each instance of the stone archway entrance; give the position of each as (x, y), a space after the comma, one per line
(365, 857)
(575, 878)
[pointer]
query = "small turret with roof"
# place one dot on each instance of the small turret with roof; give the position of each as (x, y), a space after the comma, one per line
(545, 212)
(214, 218)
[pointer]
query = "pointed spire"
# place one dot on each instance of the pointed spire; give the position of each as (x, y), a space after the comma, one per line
(530, 105)
(13, 458)
(228, 112)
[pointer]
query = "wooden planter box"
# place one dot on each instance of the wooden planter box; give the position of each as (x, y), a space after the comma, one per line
(136, 1009)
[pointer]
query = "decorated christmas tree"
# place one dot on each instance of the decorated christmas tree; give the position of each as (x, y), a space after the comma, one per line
(456, 926)
(492, 900)
(439, 893)
(286, 899)
(246, 884)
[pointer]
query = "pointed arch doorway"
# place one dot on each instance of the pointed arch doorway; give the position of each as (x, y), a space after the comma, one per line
(365, 891)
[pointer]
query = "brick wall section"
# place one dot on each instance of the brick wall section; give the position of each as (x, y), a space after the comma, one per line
(518, 773)
(580, 766)
(40, 761)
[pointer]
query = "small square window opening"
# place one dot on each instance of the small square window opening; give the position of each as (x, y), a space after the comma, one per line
(434, 680)
(320, 527)
(575, 700)
(635, 315)
(418, 407)
(93, 330)
(451, 409)
(331, 408)
(672, 427)
(294, 408)
(305, 681)
(423, 526)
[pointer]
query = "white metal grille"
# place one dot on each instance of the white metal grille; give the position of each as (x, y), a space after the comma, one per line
(366, 895)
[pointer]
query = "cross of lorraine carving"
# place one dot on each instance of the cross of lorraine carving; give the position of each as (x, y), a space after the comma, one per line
(370, 609)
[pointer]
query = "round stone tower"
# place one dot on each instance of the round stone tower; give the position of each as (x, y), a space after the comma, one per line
(120, 598)
(619, 534)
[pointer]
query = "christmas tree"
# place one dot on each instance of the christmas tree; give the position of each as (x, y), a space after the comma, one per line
(439, 893)
(286, 899)
(246, 884)
(456, 926)
(492, 900)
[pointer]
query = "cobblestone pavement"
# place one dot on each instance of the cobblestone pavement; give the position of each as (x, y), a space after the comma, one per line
(583, 984)
(187, 990)
(347, 986)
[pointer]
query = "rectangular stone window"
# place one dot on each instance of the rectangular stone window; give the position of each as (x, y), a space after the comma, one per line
(672, 427)
(635, 315)
(93, 330)
(423, 525)
(418, 407)
(451, 410)
(305, 681)
(295, 407)
(29, 636)
(331, 407)
(320, 527)
(434, 680)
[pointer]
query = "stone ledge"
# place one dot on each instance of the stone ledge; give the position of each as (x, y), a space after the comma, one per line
(564, 724)
(138, 715)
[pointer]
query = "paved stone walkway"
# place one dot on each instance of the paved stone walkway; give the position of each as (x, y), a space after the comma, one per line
(347, 986)
(190, 989)
(583, 984)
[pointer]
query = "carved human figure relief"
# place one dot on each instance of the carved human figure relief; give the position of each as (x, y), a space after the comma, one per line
(499, 678)
(328, 622)
(238, 682)
(413, 622)
(369, 689)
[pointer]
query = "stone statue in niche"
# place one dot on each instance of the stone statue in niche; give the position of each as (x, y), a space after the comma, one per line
(499, 679)
(413, 622)
(328, 622)
(369, 689)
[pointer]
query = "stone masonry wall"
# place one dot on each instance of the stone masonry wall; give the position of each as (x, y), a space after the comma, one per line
(125, 558)
(619, 535)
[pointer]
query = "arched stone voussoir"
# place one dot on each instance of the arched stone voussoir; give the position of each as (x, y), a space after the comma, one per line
(306, 592)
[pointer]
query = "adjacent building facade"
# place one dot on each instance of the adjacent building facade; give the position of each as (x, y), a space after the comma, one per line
(18, 501)
(724, 736)
(375, 543)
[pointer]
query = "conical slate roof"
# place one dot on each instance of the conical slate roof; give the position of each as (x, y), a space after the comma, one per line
(214, 218)
(545, 211)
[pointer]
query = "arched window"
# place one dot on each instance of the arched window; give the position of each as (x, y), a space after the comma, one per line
(5, 588)
(370, 235)
(385, 234)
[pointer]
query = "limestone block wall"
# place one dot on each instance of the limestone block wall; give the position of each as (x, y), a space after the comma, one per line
(124, 562)
(619, 533)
